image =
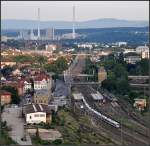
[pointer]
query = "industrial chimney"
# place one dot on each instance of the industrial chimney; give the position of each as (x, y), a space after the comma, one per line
(38, 23)
(73, 25)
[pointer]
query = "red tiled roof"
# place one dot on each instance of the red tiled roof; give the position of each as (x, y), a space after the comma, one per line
(3, 92)
(41, 76)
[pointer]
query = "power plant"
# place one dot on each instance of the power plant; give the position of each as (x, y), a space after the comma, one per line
(47, 33)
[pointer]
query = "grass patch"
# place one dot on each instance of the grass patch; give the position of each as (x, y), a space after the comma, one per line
(72, 132)
(5, 139)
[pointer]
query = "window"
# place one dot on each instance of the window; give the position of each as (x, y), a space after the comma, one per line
(36, 115)
(42, 115)
(30, 117)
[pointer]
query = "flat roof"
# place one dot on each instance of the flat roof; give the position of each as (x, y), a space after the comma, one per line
(78, 96)
(97, 96)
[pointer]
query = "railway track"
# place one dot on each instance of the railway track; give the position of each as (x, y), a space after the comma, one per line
(120, 134)
(136, 135)
(132, 114)
(115, 133)
(142, 130)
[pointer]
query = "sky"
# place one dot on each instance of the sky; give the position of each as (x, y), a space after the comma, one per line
(85, 10)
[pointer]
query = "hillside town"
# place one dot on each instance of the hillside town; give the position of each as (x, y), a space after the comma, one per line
(78, 86)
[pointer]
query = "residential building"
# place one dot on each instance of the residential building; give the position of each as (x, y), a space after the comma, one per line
(24, 85)
(132, 59)
(17, 72)
(37, 113)
(145, 54)
(50, 48)
(102, 74)
(140, 104)
(5, 97)
(7, 63)
(121, 43)
(140, 49)
(128, 51)
(86, 45)
(42, 81)
(42, 96)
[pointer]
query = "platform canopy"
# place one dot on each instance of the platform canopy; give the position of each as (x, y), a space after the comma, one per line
(77, 96)
(97, 96)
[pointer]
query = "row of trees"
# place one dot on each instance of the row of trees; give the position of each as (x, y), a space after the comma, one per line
(118, 71)
(117, 79)
(140, 68)
(57, 66)
(27, 58)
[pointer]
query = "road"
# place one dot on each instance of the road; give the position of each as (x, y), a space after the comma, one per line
(12, 116)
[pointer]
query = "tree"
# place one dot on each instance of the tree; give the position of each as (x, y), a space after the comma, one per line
(23, 58)
(117, 80)
(6, 71)
(57, 141)
(61, 64)
(144, 66)
(41, 60)
(122, 87)
(58, 66)
(140, 68)
(14, 94)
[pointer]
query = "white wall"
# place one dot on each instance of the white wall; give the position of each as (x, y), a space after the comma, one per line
(36, 117)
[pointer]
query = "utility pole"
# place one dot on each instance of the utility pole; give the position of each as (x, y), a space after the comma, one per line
(121, 132)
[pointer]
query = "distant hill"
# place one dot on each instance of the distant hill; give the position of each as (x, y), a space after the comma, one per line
(98, 23)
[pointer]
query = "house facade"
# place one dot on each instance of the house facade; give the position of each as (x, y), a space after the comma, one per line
(42, 81)
(132, 59)
(37, 113)
(5, 97)
(23, 86)
(42, 96)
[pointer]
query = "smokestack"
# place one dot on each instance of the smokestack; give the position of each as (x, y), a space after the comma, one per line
(38, 23)
(31, 34)
(73, 27)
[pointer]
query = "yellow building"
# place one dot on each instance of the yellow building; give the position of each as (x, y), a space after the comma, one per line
(102, 74)
(42, 96)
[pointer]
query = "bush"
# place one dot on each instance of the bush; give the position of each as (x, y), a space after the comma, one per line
(57, 141)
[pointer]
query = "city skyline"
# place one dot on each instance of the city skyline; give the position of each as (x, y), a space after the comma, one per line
(118, 10)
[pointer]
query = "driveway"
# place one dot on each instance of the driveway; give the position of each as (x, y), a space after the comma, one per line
(14, 120)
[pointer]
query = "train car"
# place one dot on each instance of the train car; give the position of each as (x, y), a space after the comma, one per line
(104, 118)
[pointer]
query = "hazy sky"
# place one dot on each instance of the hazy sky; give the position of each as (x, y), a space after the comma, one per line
(57, 10)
